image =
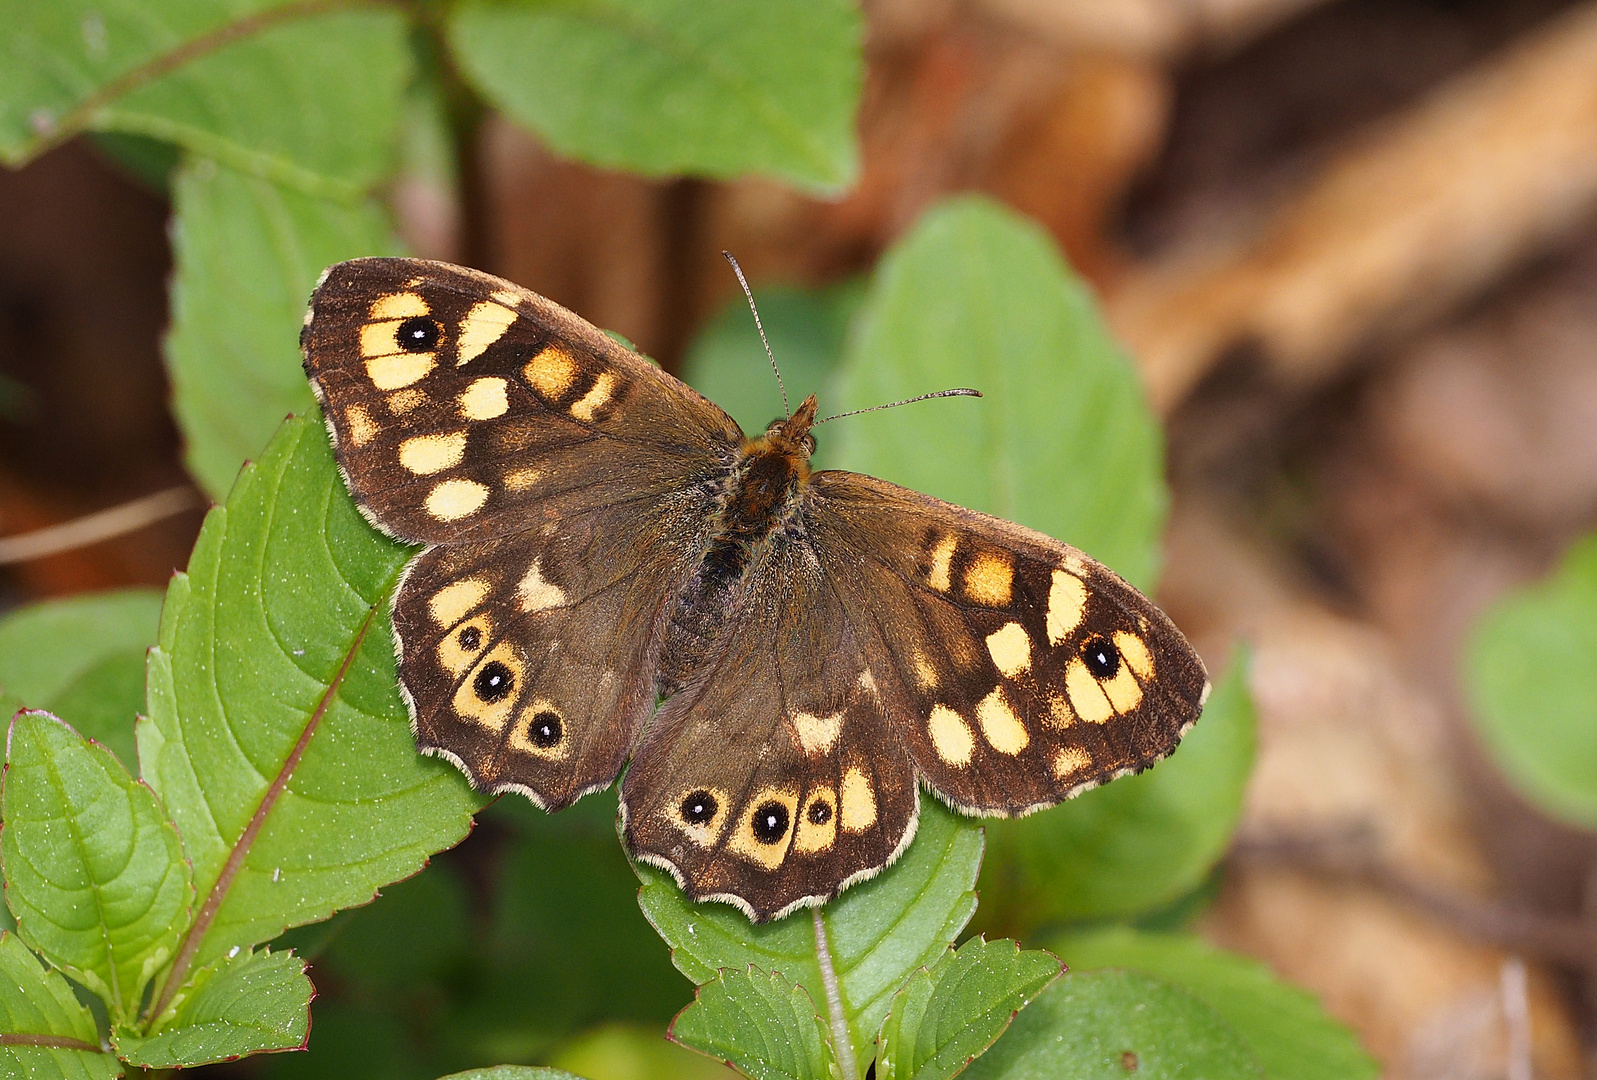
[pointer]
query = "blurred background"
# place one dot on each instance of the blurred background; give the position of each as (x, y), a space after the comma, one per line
(1351, 246)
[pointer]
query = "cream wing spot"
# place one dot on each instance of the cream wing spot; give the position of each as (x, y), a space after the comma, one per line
(1010, 648)
(451, 500)
(537, 593)
(1123, 691)
(817, 828)
(402, 401)
(1086, 696)
(1067, 603)
(700, 813)
(424, 455)
(484, 324)
(588, 405)
(817, 734)
(1060, 714)
(942, 559)
(489, 691)
(521, 479)
(999, 725)
(925, 674)
(540, 730)
(859, 801)
(1135, 653)
(398, 306)
(551, 372)
(761, 836)
(990, 579)
(950, 736)
(1069, 762)
(456, 600)
(399, 369)
(461, 646)
(485, 399)
(361, 428)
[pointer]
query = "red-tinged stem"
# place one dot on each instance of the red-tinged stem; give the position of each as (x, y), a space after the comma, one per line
(241, 848)
(53, 1042)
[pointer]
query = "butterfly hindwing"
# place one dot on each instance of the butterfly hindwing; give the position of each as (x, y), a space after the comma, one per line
(458, 400)
(1019, 671)
(529, 659)
(772, 781)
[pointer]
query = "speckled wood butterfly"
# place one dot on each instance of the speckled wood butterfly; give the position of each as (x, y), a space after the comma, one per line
(599, 537)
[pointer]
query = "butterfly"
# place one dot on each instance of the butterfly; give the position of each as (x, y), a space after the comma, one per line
(615, 573)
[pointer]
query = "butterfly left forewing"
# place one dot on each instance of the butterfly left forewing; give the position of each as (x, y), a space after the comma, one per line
(458, 400)
(1018, 671)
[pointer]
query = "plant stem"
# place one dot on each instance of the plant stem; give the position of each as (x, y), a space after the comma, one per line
(842, 1044)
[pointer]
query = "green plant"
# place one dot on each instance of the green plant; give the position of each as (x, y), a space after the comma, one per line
(1531, 670)
(277, 784)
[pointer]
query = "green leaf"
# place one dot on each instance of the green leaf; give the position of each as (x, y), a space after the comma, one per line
(716, 87)
(635, 1052)
(1063, 440)
(276, 735)
(81, 658)
(1284, 1027)
(1532, 678)
(807, 329)
(35, 1001)
(94, 872)
(877, 932)
(242, 1004)
(512, 1072)
(1136, 844)
(312, 101)
(248, 253)
(1110, 1025)
(948, 1014)
(760, 1024)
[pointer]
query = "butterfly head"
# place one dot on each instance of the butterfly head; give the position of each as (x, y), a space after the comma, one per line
(792, 436)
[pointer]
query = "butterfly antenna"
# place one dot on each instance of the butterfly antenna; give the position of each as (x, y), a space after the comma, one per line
(743, 281)
(958, 391)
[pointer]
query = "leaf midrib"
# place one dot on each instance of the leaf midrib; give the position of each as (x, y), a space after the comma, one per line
(239, 851)
(94, 886)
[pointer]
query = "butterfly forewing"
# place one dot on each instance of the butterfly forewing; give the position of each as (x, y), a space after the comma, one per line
(460, 402)
(1019, 671)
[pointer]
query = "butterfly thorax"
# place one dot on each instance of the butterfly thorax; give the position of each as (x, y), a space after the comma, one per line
(759, 498)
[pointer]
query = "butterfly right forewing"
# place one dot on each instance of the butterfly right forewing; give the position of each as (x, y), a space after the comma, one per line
(1020, 671)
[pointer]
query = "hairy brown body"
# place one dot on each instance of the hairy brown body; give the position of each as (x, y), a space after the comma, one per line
(759, 497)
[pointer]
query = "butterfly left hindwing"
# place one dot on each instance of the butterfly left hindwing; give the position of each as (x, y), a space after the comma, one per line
(601, 535)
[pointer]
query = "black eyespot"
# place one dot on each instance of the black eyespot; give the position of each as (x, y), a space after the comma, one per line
(546, 730)
(419, 334)
(470, 638)
(820, 812)
(494, 682)
(770, 822)
(1101, 657)
(698, 808)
